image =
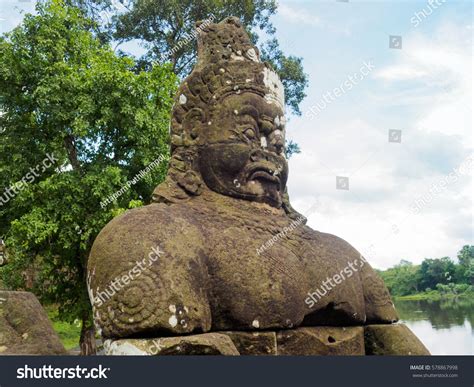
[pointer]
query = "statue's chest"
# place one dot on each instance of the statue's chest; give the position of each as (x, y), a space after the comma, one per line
(245, 244)
(268, 248)
(256, 273)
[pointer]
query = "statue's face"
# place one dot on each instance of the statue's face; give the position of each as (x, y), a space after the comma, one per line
(242, 152)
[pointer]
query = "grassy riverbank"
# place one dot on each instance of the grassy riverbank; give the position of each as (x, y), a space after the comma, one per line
(69, 334)
(435, 295)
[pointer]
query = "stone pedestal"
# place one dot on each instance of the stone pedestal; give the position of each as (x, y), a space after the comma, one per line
(204, 344)
(388, 339)
(302, 341)
(254, 343)
(394, 339)
(25, 328)
(321, 341)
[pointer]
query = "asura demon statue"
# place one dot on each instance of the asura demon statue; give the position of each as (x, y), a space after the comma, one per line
(197, 259)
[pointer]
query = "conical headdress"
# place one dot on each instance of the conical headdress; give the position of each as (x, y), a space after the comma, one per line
(227, 63)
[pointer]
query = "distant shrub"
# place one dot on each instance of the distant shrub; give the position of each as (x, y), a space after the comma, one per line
(461, 288)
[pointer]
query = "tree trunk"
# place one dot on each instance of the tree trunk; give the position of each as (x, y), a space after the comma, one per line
(70, 144)
(87, 341)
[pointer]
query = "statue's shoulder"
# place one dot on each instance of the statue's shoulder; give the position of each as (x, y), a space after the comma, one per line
(329, 245)
(379, 307)
(155, 223)
(155, 214)
(343, 256)
(156, 254)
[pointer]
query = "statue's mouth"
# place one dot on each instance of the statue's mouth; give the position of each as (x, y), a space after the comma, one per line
(264, 175)
(261, 172)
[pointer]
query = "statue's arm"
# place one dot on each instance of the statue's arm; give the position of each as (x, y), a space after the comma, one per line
(362, 290)
(146, 273)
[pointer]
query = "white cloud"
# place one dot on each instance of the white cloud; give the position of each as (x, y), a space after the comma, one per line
(304, 17)
(401, 72)
(386, 178)
(12, 13)
(299, 15)
(442, 66)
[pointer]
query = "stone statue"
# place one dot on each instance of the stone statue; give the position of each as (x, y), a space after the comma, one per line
(25, 328)
(223, 199)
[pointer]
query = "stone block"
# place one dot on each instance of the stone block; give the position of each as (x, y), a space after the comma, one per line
(25, 328)
(321, 341)
(394, 339)
(204, 344)
(253, 343)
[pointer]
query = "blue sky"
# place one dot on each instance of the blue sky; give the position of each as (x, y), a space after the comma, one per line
(423, 90)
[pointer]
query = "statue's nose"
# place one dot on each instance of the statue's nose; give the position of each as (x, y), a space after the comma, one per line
(258, 155)
(277, 141)
(267, 153)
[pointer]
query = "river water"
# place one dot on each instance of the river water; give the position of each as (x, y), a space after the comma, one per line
(445, 327)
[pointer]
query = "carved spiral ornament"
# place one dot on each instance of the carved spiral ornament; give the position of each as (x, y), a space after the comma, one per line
(135, 305)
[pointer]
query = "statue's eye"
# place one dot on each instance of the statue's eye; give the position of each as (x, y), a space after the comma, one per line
(266, 127)
(247, 125)
(249, 133)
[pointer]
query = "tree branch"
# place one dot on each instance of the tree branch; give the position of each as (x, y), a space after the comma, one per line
(71, 150)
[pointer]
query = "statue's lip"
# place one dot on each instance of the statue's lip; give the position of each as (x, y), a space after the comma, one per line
(264, 173)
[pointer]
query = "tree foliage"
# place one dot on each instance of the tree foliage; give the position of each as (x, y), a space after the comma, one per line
(160, 24)
(465, 272)
(441, 274)
(69, 99)
(403, 279)
(436, 271)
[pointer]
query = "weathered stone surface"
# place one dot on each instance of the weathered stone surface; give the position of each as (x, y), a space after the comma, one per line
(253, 343)
(395, 339)
(204, 344)
(321, 341)
(235, 255)
(25, 328)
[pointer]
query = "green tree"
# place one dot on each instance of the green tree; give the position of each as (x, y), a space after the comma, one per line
(402, 279)
(436, 271)
(161, 24)
(291, 148)
(466, 264)
(78, 123)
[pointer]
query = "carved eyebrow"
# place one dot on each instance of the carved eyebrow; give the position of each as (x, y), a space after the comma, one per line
(246, 119)
(250, 110)
(267, 119)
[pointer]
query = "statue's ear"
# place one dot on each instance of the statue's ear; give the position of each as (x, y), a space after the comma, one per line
(193, 124)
